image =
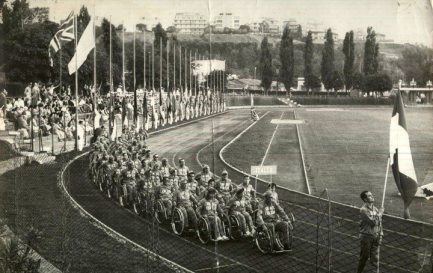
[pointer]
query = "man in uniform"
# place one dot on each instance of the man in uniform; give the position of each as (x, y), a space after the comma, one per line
(206, 175)
(241, 209)
(209, 208)
(225, 187)
(183, 170)
(164, 193)
(272, 217)
(183, 199)
(370, 232)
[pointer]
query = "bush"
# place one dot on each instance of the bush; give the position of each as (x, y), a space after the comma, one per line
(331, 100)
(246, 100)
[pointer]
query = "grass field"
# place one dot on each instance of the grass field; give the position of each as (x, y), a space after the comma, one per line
(346, 152)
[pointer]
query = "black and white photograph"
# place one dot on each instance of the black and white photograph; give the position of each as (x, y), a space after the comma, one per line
(216, 136)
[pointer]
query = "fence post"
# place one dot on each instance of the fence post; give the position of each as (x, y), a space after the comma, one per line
(329, 234)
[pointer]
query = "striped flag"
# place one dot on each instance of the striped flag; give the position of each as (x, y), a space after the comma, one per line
(401, 156)
(63, 35)
(85, 45)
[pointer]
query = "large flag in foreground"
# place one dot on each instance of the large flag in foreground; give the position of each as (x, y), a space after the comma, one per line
(86, 44)
(63, 35)
(401, 156)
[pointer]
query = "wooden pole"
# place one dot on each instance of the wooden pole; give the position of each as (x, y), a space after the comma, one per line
(134, 83)
(76, 84)
(94, 70)
(110, 120)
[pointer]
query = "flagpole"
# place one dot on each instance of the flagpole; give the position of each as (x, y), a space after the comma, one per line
(123, 57)
(180, 68)
(190, 74)
(135, 88)
(76, 82)
(144, 60)
(195, 77)
(167, 47)
(160, 71)
(186, 82)
(94, 69)
(110, 120)
(153, 66)
(60, 57)
(174, 66)
(386, 181)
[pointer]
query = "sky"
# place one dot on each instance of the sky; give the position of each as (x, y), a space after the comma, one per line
(401, 20)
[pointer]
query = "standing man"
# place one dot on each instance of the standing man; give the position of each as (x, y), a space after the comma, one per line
(371, 232)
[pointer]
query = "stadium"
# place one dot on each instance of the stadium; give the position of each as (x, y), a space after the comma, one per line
(152, 151)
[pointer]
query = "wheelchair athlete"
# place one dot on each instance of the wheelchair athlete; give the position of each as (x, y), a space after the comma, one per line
(129, 177)
(271, 217)
(240, 208)
(225, 187)
(183, 199)
(209, 208)
(164, 193)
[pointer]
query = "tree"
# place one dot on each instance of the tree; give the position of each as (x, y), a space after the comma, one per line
(116, 45)
(27, 58)
(308, 61)
(337, 81)
(358, 81)
(287, 59)
(327, 65)
(371, 53)
(266, 65)
(245, 29)
(349, 58)
(141, 27)
(379, 82)
(314, 82)
(171, 29)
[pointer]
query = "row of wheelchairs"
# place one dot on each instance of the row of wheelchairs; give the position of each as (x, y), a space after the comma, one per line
(267, 240)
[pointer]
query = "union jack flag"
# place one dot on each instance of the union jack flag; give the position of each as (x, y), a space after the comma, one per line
(63, 35)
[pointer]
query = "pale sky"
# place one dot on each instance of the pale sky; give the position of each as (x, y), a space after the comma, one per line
(402, 20)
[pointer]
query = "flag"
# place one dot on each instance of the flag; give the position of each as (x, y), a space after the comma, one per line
(401, 156)
(64, 34)
(85, 45)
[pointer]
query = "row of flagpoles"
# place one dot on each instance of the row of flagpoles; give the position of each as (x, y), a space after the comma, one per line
(68, 32)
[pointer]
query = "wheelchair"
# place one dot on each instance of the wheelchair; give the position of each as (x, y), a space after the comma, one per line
(235, 227)
(205, 232)
(178, 221)
(161, 214)
(271, 241)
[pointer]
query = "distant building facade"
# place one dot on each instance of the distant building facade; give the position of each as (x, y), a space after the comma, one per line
(190, 23)
(266, 25)
(227, 20)
(292, 24)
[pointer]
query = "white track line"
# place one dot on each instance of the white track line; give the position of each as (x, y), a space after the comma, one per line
(302, 155)
(270, 142)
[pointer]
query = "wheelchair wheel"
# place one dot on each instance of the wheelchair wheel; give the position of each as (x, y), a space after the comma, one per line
(135, 207)
(263, 241)
(204, 231)
(278, 245)
(177, 222)
(160, 213)
(226, 223)
(109, 192)
(236, 232)
(292, 219)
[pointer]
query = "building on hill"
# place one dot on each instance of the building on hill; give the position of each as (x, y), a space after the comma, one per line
(292, 24)
(252, 86)
(266, 25)
(190, 23)
(319, 36)
(227, 20)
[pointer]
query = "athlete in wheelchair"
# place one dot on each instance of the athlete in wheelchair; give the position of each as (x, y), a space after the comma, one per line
(163, 197)
(129, 183)
(239, 211)
(225, 187)
(183, 216)
(274, 228)
(210, 226)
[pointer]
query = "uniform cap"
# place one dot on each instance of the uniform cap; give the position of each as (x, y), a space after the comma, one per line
(224, 172)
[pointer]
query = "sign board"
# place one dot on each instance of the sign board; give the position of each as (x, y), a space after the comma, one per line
(287, 121)
(264, 170)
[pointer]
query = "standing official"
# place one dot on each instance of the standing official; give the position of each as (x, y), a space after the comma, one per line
(371, 232)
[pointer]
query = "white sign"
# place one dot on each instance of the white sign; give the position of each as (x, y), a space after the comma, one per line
(287, 121)
(264, 170)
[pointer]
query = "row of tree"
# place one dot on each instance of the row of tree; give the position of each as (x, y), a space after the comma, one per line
(330, 76)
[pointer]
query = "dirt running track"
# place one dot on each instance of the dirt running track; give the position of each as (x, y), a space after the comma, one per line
(241, 256)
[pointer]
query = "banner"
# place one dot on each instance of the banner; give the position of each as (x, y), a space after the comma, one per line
(85, 45)
(205, 67)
